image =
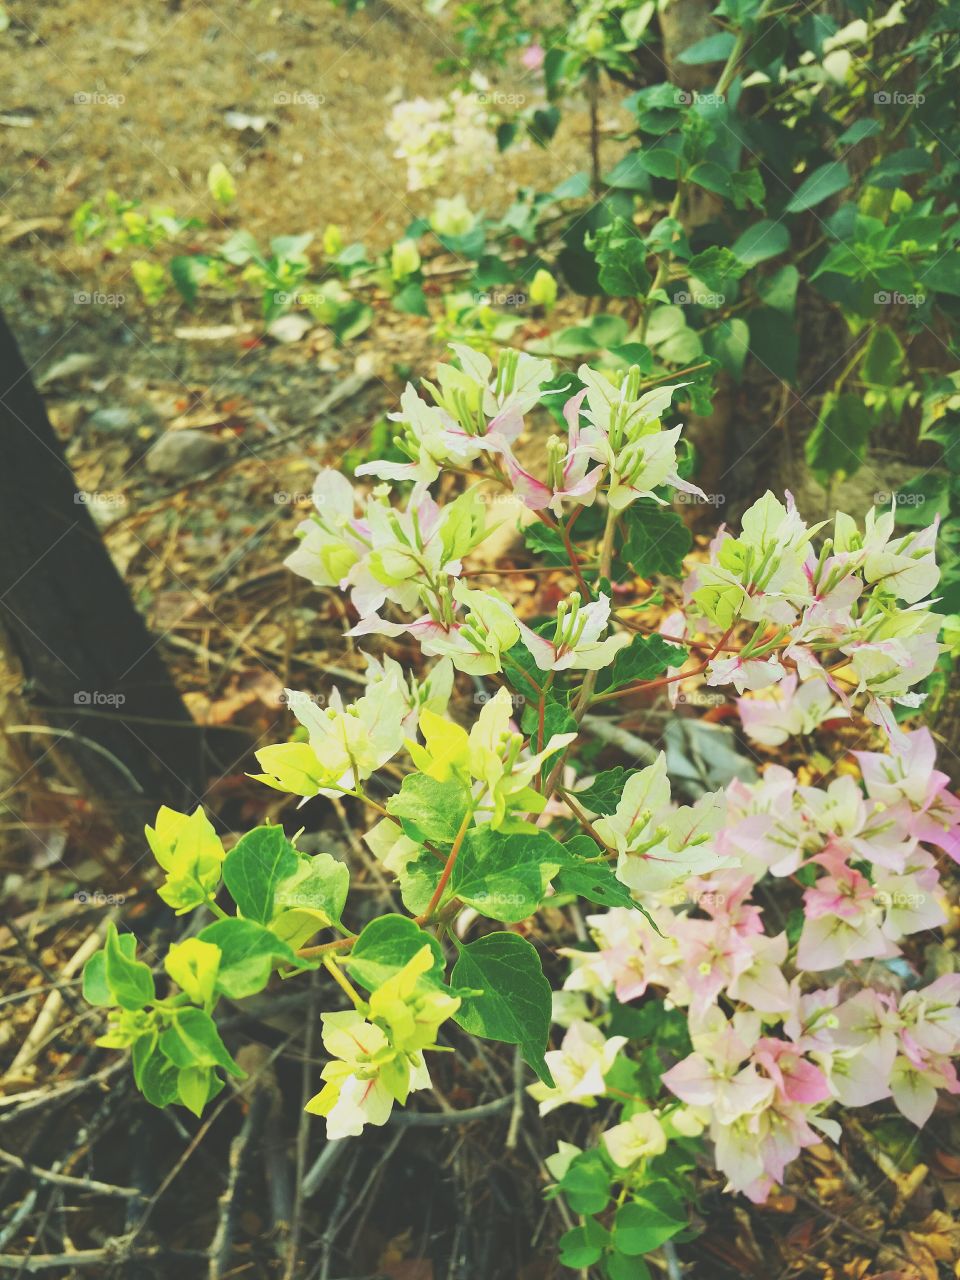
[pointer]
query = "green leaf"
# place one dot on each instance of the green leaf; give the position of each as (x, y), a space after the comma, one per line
(624, 273)
(729, 344)
(660, 162)
(671, 337)
(255, 866)
(157, 1079)
(586, 1183)
(715, 48)
(96, 988)
(189, 272)
(311, 899)
(505, 876)
(193, 1087)
(763, 240)
(715, 266)
(774, 342)
(859, 130)
(746, 188)
(583, 1246)
(130, 980)
(837, 445)
(247, 955)
(780, 290)
(618, 1266)
(644, 658)
(595, 881)
(630, 173)
(890, 171)
(656, 539)
(220, 183)
(385, 946)
(819, 186)
(192, 1040)
(713, 177)
(545, 542)
(516, 1003)
(640, 1226)
(604, 792)
(411, 300)
(883, 360)
(428, 809)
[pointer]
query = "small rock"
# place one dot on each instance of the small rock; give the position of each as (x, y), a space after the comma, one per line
(178, 455)
(116, 419)
(290, 328)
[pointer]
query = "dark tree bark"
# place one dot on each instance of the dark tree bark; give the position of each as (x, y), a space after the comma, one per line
(88, 664)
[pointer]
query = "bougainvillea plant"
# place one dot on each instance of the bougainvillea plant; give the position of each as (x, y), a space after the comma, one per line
(741, 937)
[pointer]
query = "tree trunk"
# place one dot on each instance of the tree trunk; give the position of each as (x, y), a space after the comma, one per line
(86, 664)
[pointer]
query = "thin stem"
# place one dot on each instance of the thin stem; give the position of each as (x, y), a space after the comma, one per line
(606, 562)
(343, 983)
(448, 868)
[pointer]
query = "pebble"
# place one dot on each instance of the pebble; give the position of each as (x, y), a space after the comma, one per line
(178, 455)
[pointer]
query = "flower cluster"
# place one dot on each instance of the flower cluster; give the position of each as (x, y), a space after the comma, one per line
(441, 137)
(769, 920)
(377, 1049)
(859, 601)
(772, 1051)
